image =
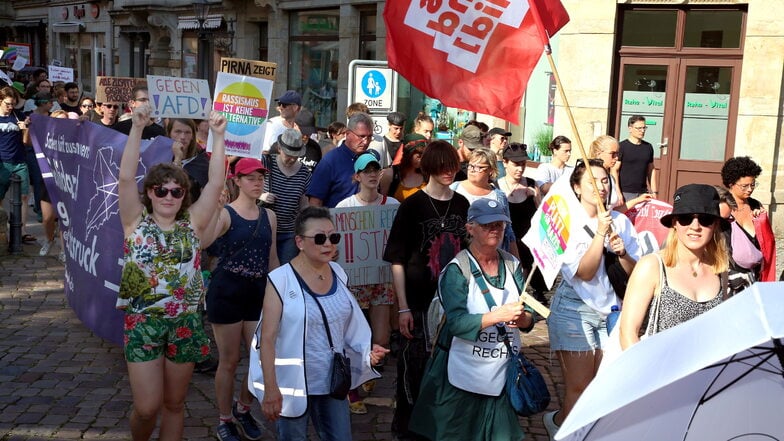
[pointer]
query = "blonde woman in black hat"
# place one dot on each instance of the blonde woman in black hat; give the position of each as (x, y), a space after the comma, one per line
(687, 277)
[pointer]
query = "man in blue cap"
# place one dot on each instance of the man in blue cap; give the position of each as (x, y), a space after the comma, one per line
(288, 105)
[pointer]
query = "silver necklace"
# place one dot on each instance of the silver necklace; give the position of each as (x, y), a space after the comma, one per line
(443, 218)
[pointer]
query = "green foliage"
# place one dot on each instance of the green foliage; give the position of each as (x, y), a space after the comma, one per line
(542, 140)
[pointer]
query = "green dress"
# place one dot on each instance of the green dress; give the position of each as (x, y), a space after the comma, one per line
(443, 412)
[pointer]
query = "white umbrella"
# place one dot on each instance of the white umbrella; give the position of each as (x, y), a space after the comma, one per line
(719, 376)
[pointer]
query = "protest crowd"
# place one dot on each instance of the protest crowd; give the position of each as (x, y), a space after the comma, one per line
(264, 249)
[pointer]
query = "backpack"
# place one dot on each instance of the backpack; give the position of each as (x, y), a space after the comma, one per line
(435, 312)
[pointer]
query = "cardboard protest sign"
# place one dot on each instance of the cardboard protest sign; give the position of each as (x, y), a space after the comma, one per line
(59, 73)
(365, 231)
(173, 97)
(115, 89)
(249, 68)
(80, 164)
(244, 101)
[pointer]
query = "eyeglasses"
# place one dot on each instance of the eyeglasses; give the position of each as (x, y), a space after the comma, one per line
(87, 106)
(367, 137)
(477, 168)
(8, 103)
(111, 106)
(705, 220)
(161, 192)
(321, 238)
(499, 225)
(142, 100)
(640, 128)
(747, 187)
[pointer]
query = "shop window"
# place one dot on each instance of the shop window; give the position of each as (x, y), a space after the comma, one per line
(649, 28)
(190, 55)
(714, 29)
(314, 61)
(264, 41)
(367, 35)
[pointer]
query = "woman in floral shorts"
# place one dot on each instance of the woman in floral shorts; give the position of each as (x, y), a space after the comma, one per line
(161, 285)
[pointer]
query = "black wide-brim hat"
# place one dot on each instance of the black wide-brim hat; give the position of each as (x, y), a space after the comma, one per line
(693, 199)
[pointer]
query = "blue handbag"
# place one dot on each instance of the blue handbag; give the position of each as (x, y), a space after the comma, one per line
(525, 385)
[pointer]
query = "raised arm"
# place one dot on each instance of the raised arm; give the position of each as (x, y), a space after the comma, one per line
(131, 206)
(205, 207)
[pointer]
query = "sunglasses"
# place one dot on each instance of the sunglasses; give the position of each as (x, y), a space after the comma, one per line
(284, 105)
(87, 106)
(321, 238)
(111, 106)
(705, 220)
(161, 192)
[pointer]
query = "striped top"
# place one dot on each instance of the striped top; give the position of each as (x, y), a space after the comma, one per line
(288, 191)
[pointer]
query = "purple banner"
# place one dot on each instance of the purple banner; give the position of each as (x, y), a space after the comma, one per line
(80, 162)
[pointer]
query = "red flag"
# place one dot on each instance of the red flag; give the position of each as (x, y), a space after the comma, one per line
(471, 54)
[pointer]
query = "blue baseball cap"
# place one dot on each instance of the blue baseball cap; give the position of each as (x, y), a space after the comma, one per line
(364, 160)
(290, 97)
(486, 211)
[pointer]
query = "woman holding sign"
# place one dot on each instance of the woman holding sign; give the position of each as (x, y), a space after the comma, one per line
(161, 285)
(577, 322)
(376, 298)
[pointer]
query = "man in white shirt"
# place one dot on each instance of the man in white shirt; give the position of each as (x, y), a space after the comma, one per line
(288, 105)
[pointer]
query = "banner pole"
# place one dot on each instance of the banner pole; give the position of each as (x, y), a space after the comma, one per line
(531, 300)
(549, 52)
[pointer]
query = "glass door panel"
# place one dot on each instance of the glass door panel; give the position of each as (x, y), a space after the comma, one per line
(706, 103)
(644, 93)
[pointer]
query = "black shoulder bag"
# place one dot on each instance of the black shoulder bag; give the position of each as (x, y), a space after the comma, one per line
(340, 372)
(612, 266)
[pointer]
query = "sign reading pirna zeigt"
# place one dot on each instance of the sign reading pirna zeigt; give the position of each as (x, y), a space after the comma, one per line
(364, 232)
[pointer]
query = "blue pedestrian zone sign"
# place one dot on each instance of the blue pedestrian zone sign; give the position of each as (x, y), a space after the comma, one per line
(373, 86)
(373, 83)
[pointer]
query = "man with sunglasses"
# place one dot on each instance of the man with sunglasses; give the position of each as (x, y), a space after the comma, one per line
(635, 161)
(333, 179)
(497, 139)
(106, 114)
(139, 96)
(288, 105)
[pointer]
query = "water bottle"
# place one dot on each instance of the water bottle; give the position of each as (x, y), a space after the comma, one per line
(612, 318)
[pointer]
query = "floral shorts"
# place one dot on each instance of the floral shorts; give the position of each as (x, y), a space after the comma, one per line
(373, 295)
(180, 339)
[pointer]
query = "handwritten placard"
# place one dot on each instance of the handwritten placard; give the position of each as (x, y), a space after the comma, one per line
(249, 68)
(173, 97)
(115, 89)
(59, 73)
(364, 233)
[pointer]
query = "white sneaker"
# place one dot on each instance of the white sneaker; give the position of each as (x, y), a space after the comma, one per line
(549, 424)
(45, 248)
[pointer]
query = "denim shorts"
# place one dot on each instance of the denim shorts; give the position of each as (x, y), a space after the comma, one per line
(573, 325)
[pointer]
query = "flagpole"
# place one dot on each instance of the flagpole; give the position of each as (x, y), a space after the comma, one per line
(531, 300)
(549, 52)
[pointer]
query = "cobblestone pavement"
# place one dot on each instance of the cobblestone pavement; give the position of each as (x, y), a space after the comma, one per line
(61, 382)
(58, 381)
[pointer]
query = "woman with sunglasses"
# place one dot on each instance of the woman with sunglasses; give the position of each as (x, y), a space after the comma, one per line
(577, 323)
(161, 285)
(687, 277)
(607, 149)
(246, 251)
(739, 175)
(307, 305)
